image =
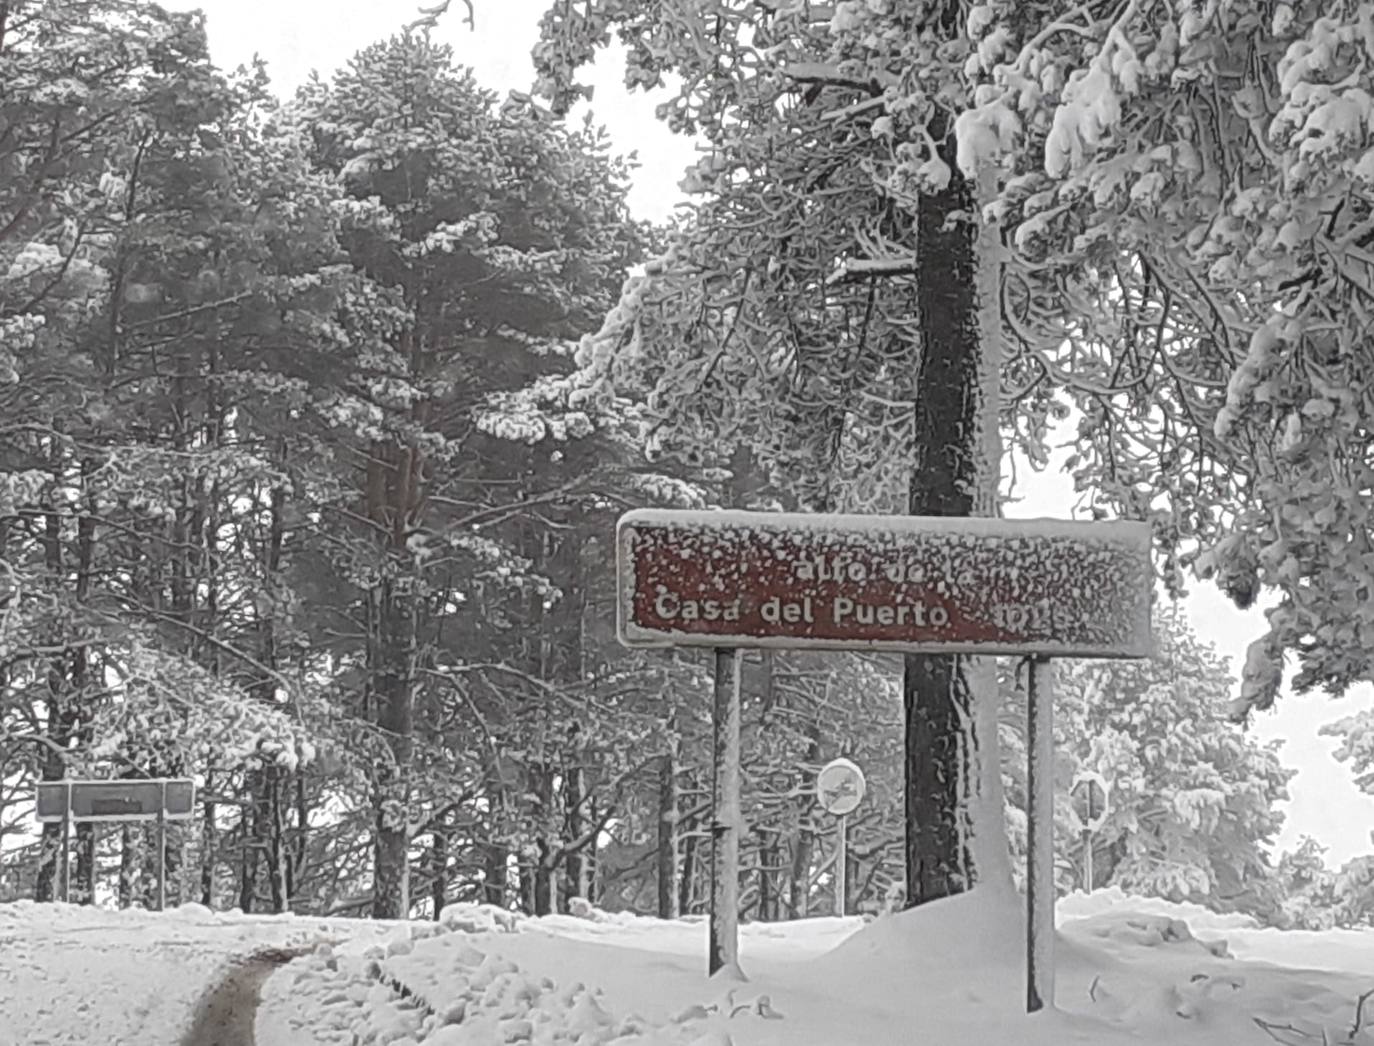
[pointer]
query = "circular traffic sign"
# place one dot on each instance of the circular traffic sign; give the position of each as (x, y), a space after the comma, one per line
(840, 787)
(1091, 799)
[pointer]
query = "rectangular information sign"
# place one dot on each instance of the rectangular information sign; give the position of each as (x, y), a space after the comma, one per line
(122, 800)
(903, 583)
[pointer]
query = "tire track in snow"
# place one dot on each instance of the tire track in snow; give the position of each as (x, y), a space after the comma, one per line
(226, 1013)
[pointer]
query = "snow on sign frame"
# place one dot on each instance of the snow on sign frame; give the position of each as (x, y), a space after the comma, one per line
(1054, 588)
(132, 799)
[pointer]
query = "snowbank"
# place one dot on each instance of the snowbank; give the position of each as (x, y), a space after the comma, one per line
(1131, 970)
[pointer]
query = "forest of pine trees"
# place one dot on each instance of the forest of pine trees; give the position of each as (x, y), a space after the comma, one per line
(316, 416)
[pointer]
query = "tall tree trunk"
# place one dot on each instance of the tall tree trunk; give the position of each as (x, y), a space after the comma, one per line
(266, 782)
(148, 853)
(768, 859)
(955, 469)
(83, 882)
(300, 838)
(804, 844)
(250, 853)
(579, 859)
(799, 882)
(82, 714)
(438, 860)
(214, 429)
(49, 859)
(209, 842)
(393, 679)
(545, 882)
(668, 901)
(525, 884)
(690, 834)
(175, 865)
(61, 723)
(394, 499)
(494, 874)
(275, 808)
(129, 861)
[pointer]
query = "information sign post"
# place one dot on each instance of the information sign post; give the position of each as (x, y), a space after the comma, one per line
(840, 788)
(1035, 589)
(159, 799)
(1090, 802)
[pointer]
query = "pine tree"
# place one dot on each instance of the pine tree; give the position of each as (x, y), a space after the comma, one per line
(1192, 797)
(496, 235)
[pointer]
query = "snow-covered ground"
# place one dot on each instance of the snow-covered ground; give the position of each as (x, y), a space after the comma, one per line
(1131, 970)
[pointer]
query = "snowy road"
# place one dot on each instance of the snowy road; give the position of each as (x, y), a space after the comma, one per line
(72, 976)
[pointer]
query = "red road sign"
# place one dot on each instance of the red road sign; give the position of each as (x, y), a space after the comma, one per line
(913, 583)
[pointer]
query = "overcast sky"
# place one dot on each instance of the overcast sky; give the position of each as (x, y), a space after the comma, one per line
(296, 36)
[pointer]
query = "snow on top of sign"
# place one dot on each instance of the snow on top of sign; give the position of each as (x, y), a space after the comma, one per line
(1086, 585)
(1043, 527)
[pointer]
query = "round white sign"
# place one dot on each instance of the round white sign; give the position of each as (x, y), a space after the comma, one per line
(1091, 800)
(840, 787)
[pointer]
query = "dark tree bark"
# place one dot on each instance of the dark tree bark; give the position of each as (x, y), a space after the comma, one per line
(61, 725)
(494, 875)
(83, 881)
(949, 478)
(438, 863)
(393, 679)
(267, 783)
(804, 845)
(690, 834)
(799, 883)
(525, 886)
(300, 838)
(275, 815)
(544, 881)
(209, 837)
(768, 874)
(174, 864)
(130, 859)
(578, 861)
(668, 901)
(248, 868)
(83, 889)
(394, 498)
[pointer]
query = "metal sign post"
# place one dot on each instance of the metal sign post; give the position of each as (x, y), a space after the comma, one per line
(723, 944)
(840, 789)
(161, 859)
(841, 866)
(1040, 833)
(1091, 802)
(1086, 837)
(919, 584)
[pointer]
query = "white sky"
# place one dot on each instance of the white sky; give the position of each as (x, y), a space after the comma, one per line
(296, 36)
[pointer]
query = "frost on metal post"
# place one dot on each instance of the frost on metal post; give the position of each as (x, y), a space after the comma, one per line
(925, 584)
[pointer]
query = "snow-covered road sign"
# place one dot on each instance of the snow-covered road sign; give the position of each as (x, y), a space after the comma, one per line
(924, 584)
(1091, 800)
(131, 800)
(1039, 589)
(840, 787)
